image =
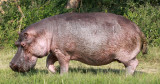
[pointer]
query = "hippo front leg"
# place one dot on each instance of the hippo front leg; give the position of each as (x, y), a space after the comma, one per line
(63, 61)
(51, 59)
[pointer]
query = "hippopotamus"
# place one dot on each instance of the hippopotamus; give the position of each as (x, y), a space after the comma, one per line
(91, 38)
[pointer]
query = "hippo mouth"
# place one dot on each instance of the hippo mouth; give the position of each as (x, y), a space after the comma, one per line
(21, 68)
(22, 62)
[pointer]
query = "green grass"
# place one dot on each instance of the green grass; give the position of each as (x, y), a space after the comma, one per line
(148, 72)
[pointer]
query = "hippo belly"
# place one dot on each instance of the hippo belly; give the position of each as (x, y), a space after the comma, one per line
(90, 42)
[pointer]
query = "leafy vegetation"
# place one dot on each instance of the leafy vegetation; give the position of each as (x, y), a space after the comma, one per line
(146, 14)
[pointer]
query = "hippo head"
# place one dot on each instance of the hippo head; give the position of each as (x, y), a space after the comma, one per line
(31, 46)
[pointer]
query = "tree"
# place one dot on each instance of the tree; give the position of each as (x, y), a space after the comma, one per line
(1, 10)
(72, 4)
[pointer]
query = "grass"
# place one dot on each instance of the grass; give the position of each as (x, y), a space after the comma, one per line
(148, 72)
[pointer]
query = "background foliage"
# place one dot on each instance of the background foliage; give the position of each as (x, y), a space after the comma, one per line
(146, 14)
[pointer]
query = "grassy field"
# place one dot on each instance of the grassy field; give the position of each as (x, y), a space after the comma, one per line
(147, 72)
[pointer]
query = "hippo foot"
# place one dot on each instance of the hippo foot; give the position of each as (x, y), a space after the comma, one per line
(51, 68)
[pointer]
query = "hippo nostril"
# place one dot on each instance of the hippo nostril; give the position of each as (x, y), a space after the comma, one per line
(13, 66)
(17, 68)
(10, 64)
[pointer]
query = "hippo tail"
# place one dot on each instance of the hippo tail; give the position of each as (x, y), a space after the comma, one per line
(144, 44)
(143, 40)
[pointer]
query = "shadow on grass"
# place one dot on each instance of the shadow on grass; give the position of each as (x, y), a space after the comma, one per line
(80, 70)
(96, 71)
(34, 72)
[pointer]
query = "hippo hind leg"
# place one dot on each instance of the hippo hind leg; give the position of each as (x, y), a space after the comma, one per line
(51, 59)
(131, 66)
(129, 60)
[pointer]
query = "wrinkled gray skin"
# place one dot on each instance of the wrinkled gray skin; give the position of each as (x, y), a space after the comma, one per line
(92, 38)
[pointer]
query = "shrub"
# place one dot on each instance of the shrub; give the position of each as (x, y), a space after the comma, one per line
(145, 14)
(34, 10)
(147, 18)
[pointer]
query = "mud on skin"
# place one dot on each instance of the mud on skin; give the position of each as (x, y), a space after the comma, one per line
(92, 38)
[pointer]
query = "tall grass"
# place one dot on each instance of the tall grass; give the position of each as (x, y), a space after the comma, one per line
(43, 77)
(148, 72)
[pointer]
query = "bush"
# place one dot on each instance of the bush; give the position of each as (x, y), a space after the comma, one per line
(145, 14)
(147, 18)
(34, 10)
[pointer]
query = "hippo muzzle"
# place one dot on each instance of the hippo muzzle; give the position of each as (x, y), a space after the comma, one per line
(22, 62)
(22, 67)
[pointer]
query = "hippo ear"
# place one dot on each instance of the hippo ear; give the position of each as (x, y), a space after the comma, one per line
(25, 35)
